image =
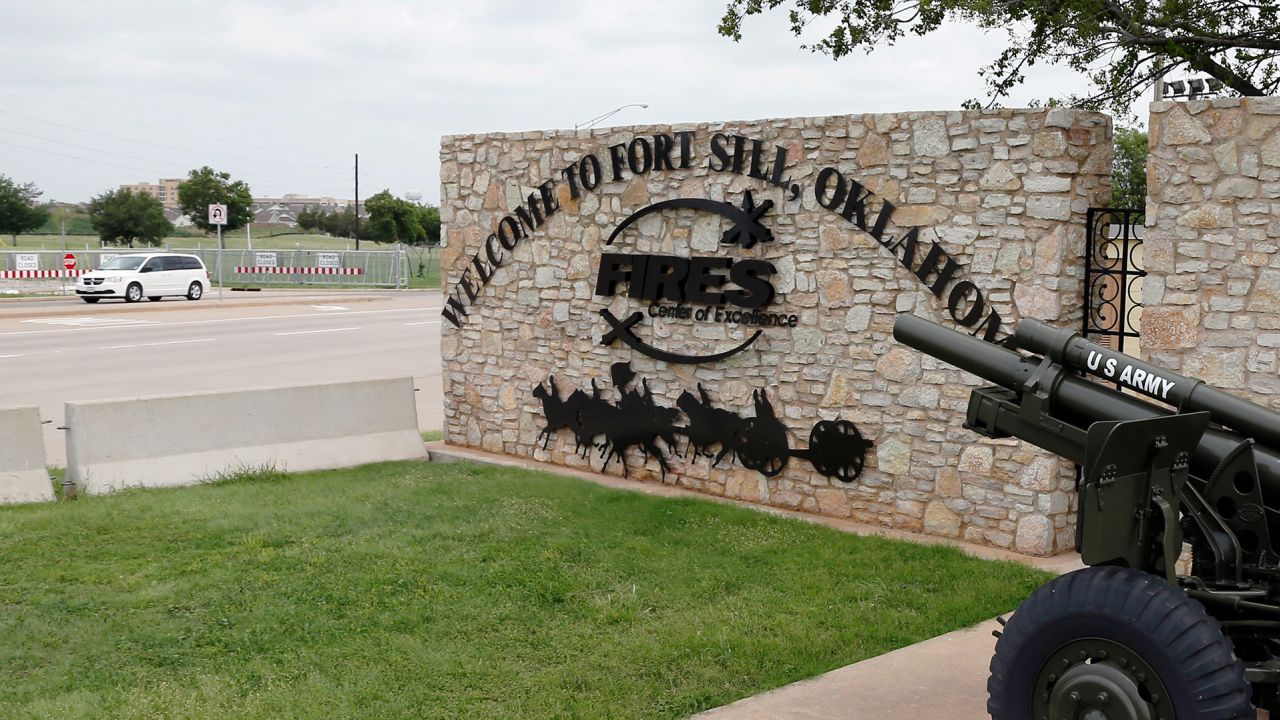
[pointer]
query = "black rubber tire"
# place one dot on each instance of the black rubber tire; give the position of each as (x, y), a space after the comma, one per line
(130, 296)
(155, 298)
(195, 291)
(1172, 633)
(90, 300)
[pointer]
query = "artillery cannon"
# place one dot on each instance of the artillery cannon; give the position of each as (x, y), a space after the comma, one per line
(1129, 638)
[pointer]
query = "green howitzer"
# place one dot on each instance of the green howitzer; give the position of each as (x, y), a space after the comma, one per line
(1130, 637)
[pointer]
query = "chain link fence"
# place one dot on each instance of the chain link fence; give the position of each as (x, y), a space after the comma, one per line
(53, 271)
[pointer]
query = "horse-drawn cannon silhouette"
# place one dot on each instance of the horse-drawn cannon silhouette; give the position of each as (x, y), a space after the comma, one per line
(761, 442)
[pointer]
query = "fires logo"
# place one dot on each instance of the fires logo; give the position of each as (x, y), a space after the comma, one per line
(703, 288)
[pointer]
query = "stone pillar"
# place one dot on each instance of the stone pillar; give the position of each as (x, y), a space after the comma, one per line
(1212, 293)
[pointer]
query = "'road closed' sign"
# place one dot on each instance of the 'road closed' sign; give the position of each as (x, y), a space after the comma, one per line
(328, 260)
(265, 259)
(27, 261)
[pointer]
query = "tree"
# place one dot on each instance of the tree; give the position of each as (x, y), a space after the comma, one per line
(1129, 169)
(429, 216)
(308, 218)
(395, 220)
(123, 216)
(339, 223)
(205, 187)
(1122, 46)
(18, 209)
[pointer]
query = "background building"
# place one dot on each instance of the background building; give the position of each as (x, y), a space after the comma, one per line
(166, 191)
(284, 210)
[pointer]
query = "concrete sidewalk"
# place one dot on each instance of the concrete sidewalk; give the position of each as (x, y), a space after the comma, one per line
(943, 677)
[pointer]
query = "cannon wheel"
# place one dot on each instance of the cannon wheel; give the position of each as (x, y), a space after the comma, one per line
(766, 465)
(1115, 643)
(837, 450)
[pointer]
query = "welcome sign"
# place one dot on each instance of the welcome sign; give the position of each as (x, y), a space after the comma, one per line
(711, 305)
(668, 278)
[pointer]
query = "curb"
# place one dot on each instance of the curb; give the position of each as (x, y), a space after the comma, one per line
(439, 451)
(209, 303)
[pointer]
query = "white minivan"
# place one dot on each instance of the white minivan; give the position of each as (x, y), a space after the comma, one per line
(149, 275)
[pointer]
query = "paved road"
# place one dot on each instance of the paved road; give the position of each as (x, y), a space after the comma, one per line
(63, 350)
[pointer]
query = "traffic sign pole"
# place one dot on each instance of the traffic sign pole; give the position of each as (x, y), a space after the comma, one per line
(68, 264)
(218, 216)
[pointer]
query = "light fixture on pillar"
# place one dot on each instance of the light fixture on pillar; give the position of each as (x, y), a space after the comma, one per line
(1191, 88)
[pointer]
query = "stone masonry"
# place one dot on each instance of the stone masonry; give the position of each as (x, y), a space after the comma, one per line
(1212, 293)
(1003, 192)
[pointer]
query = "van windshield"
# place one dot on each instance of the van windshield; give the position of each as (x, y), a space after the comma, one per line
(123, 262)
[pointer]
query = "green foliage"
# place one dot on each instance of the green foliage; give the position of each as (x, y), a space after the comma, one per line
(1129, 169)
(244, 472)
(191, 238)
(389, 220)
(421, 590)
(1121, 46)
(123, 216)
(396, 220)
(77, 222)
(430, 219)
(205, 187)
(338, 223)
(19, 212)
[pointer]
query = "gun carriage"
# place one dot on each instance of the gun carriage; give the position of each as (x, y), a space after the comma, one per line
(1129, 637)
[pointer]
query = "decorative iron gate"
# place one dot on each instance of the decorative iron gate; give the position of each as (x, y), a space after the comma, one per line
(1113, 272)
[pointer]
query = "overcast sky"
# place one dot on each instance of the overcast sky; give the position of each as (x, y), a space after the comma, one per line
(283, 93)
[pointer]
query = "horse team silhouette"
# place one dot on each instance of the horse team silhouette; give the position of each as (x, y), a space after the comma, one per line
(836, 447)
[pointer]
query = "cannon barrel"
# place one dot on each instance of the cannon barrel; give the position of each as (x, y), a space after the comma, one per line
(1188, 394)
(1081, 402)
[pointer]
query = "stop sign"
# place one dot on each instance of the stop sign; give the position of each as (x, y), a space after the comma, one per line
(69, 261)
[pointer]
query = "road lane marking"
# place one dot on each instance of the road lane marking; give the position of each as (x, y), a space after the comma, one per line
(424, 322)
(313, 332)
(150, 324)
(83, 322)
(329, 307)
(155, 344)
(8, 356)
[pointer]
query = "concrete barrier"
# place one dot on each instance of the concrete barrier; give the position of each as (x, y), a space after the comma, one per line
(23, 475)
(183, 440)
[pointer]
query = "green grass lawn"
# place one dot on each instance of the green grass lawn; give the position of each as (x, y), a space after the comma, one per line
(413, 590)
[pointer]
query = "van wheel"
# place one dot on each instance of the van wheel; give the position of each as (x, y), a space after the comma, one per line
(90, 300)
(133, 293)
(154, 298)
(195, 292)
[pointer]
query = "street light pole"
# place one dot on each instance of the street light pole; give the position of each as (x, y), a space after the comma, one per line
(592, 122)
(357, 224)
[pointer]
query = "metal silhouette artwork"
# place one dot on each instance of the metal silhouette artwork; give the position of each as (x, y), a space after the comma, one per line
(760, 442)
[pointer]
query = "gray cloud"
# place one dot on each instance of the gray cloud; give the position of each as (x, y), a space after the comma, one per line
(264, 89)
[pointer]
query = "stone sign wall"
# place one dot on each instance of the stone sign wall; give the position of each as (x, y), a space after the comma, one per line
(711, 305)
(1212, 293)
